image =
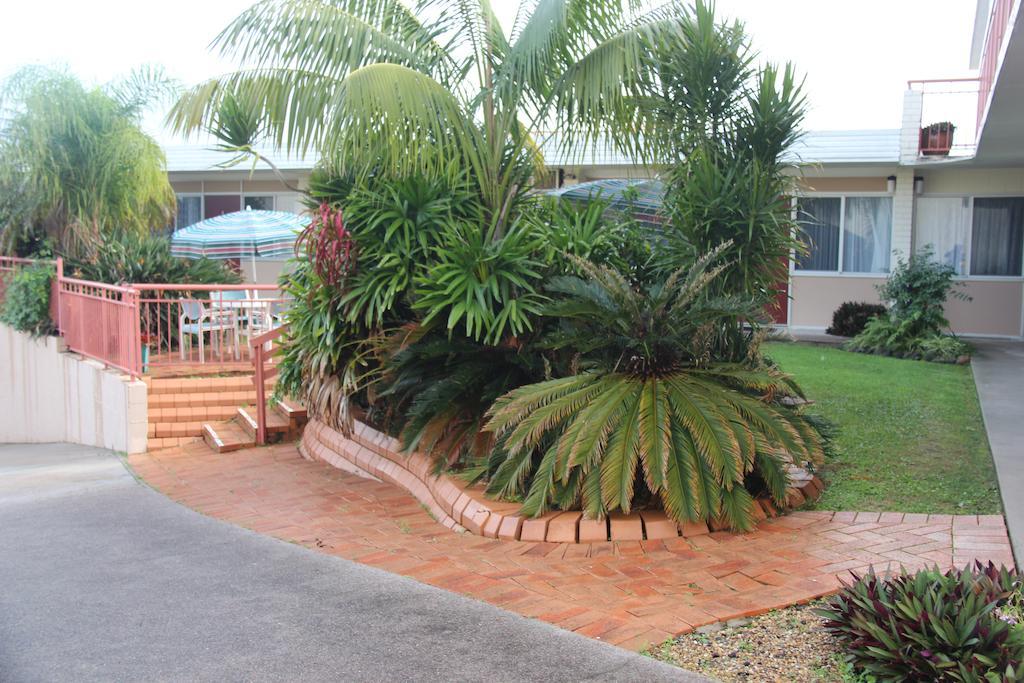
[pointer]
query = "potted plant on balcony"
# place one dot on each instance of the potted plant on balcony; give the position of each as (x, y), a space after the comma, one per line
(937, 139)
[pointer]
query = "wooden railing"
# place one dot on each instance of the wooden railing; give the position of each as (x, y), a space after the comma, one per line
(262, 353)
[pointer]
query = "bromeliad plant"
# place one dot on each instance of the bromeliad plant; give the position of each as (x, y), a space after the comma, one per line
(930, 626)
(649, 414)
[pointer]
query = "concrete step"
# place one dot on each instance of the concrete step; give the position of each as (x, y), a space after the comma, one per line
(224, 437)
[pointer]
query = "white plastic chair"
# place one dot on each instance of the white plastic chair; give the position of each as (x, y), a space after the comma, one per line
(196, 320)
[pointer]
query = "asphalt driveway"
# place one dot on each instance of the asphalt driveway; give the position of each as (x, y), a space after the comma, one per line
(102, 578)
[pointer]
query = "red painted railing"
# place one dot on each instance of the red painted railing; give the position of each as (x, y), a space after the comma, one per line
(998, 23)
(136, 327)
(197, 324)
(100, 321)
(262, 353)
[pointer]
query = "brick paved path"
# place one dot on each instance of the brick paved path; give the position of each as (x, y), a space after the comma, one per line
(630, 594)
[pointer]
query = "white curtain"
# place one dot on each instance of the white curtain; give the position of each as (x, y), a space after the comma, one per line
(943, 223)
(867, 234)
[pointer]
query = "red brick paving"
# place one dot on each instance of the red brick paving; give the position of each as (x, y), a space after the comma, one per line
(629, 593)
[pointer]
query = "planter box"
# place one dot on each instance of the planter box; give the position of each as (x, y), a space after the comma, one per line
(937, 139)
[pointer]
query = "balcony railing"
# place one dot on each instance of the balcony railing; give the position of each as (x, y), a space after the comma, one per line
(998, 24)
(948, 101)
(136, 328)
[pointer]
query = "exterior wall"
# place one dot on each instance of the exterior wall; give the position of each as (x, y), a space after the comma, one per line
(816, 297)
(973, 181)
(50, 395)
(267, 271)
(994, 309)
(822, 184)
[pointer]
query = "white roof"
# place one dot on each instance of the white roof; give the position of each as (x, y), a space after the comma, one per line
(847, 147)
(816, 147)
(199, 157)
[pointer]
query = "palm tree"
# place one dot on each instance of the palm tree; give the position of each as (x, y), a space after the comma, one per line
(75, 165)
(440, 88)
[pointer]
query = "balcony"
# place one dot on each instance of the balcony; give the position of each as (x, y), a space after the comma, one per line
(948, 122)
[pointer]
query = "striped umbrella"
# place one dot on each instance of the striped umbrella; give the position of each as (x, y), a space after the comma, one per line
(641, 198)
(240, 235)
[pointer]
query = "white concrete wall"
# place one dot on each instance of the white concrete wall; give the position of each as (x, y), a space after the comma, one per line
(48, 394)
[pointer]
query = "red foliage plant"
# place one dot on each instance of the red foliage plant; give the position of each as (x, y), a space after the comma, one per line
(328, 245)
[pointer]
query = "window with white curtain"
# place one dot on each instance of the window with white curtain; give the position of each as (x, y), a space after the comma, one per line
(846, 234)
(258, 202)
(944, 224)
(979, 237)
(190, 210)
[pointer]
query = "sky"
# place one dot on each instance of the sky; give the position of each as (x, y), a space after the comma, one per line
(856, 54)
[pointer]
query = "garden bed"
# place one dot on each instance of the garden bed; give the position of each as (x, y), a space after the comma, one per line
(911, 436)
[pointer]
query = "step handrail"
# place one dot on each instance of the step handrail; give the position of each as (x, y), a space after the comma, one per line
(259, 357)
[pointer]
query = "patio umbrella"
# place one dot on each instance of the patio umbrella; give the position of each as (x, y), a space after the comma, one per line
(642, 198)
(240, 234)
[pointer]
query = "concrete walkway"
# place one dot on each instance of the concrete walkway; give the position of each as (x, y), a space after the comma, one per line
(103, 579)
(999, 375)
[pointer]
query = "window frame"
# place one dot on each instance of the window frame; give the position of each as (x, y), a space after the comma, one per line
(841, 196)
(968, 248)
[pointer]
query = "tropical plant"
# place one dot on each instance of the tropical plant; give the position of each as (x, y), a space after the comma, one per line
(649, 414)
(930, 626)
(26, 301)
(146, 258)
(377, 86)
(916, 292)
(722, 126)
(850, 318)
(323, 354)
(439, 390)
(75, 164)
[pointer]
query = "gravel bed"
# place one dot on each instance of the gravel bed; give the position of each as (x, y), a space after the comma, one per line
(785, 645)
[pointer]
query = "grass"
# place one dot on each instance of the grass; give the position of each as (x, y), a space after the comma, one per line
(911, 436)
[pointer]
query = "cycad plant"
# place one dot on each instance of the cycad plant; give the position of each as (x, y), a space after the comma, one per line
(649, 415)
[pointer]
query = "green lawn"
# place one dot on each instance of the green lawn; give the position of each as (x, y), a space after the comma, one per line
(911, 437)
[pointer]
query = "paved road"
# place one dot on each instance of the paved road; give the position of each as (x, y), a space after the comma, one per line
(999, 375)
(102, 578)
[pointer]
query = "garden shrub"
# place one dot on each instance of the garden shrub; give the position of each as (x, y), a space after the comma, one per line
(916, 291)
(930, 626)
(26, 305)
(138, 259)
(851, 317)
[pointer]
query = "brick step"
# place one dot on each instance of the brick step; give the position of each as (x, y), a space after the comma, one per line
(194, 414)
(292, 409)
(224, 437)
(277, 424)
(220, 398)
(202, 385)
(162, 430)
(156, 443)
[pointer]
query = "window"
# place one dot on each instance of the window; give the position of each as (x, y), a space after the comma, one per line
(944, 223)
(978, 238)
(851, 232)
(996, 239)
(190, 210)
(258, 202)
